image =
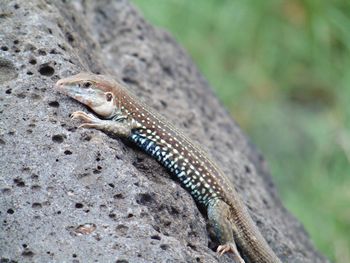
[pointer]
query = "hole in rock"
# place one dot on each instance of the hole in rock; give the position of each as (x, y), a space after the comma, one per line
(156, 237)
(10, 211)
(67, 152)
(36, 205)
(79, 205)
(46, 70)
(54, 104)
(58, 138)
(42, 52)
(164, 246)
(7, 70)
(19, 182)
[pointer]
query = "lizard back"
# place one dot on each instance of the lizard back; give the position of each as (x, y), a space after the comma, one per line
(195, 171)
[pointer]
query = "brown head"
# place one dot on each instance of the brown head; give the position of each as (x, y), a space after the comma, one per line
(98, 92)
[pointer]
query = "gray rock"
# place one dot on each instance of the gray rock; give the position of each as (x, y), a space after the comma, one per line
(75, 195)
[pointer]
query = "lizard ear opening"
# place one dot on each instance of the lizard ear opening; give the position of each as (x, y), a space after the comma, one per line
(109, 96)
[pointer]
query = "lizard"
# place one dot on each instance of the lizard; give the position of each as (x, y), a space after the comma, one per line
(120, 113)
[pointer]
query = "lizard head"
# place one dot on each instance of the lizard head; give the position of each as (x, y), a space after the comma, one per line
(95, 91)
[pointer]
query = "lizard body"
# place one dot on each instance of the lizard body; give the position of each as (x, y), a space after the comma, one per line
(125, 116)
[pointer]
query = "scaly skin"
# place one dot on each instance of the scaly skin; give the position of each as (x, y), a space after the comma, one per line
(125, 116)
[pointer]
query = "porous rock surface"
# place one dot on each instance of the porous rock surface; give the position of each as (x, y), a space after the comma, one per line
(75, 195)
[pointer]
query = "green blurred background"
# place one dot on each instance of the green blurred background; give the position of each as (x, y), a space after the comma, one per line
(282, 68)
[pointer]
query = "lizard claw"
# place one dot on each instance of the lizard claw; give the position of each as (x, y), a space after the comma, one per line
(229, 247)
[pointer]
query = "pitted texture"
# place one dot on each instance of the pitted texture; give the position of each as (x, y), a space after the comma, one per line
(78, 195)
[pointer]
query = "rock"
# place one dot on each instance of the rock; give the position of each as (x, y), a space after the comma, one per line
(78, 195)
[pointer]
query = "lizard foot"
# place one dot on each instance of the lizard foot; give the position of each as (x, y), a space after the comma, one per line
(230, 247)
(90, 120)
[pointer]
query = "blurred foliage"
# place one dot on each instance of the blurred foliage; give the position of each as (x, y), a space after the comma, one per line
(282, 68)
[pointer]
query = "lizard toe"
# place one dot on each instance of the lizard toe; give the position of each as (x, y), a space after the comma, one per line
(222, 249)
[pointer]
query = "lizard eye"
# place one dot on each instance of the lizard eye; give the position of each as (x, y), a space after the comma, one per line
(86, 84)
(109, 96)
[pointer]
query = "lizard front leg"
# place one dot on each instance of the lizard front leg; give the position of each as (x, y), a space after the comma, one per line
(117, 128)
(218, 214)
